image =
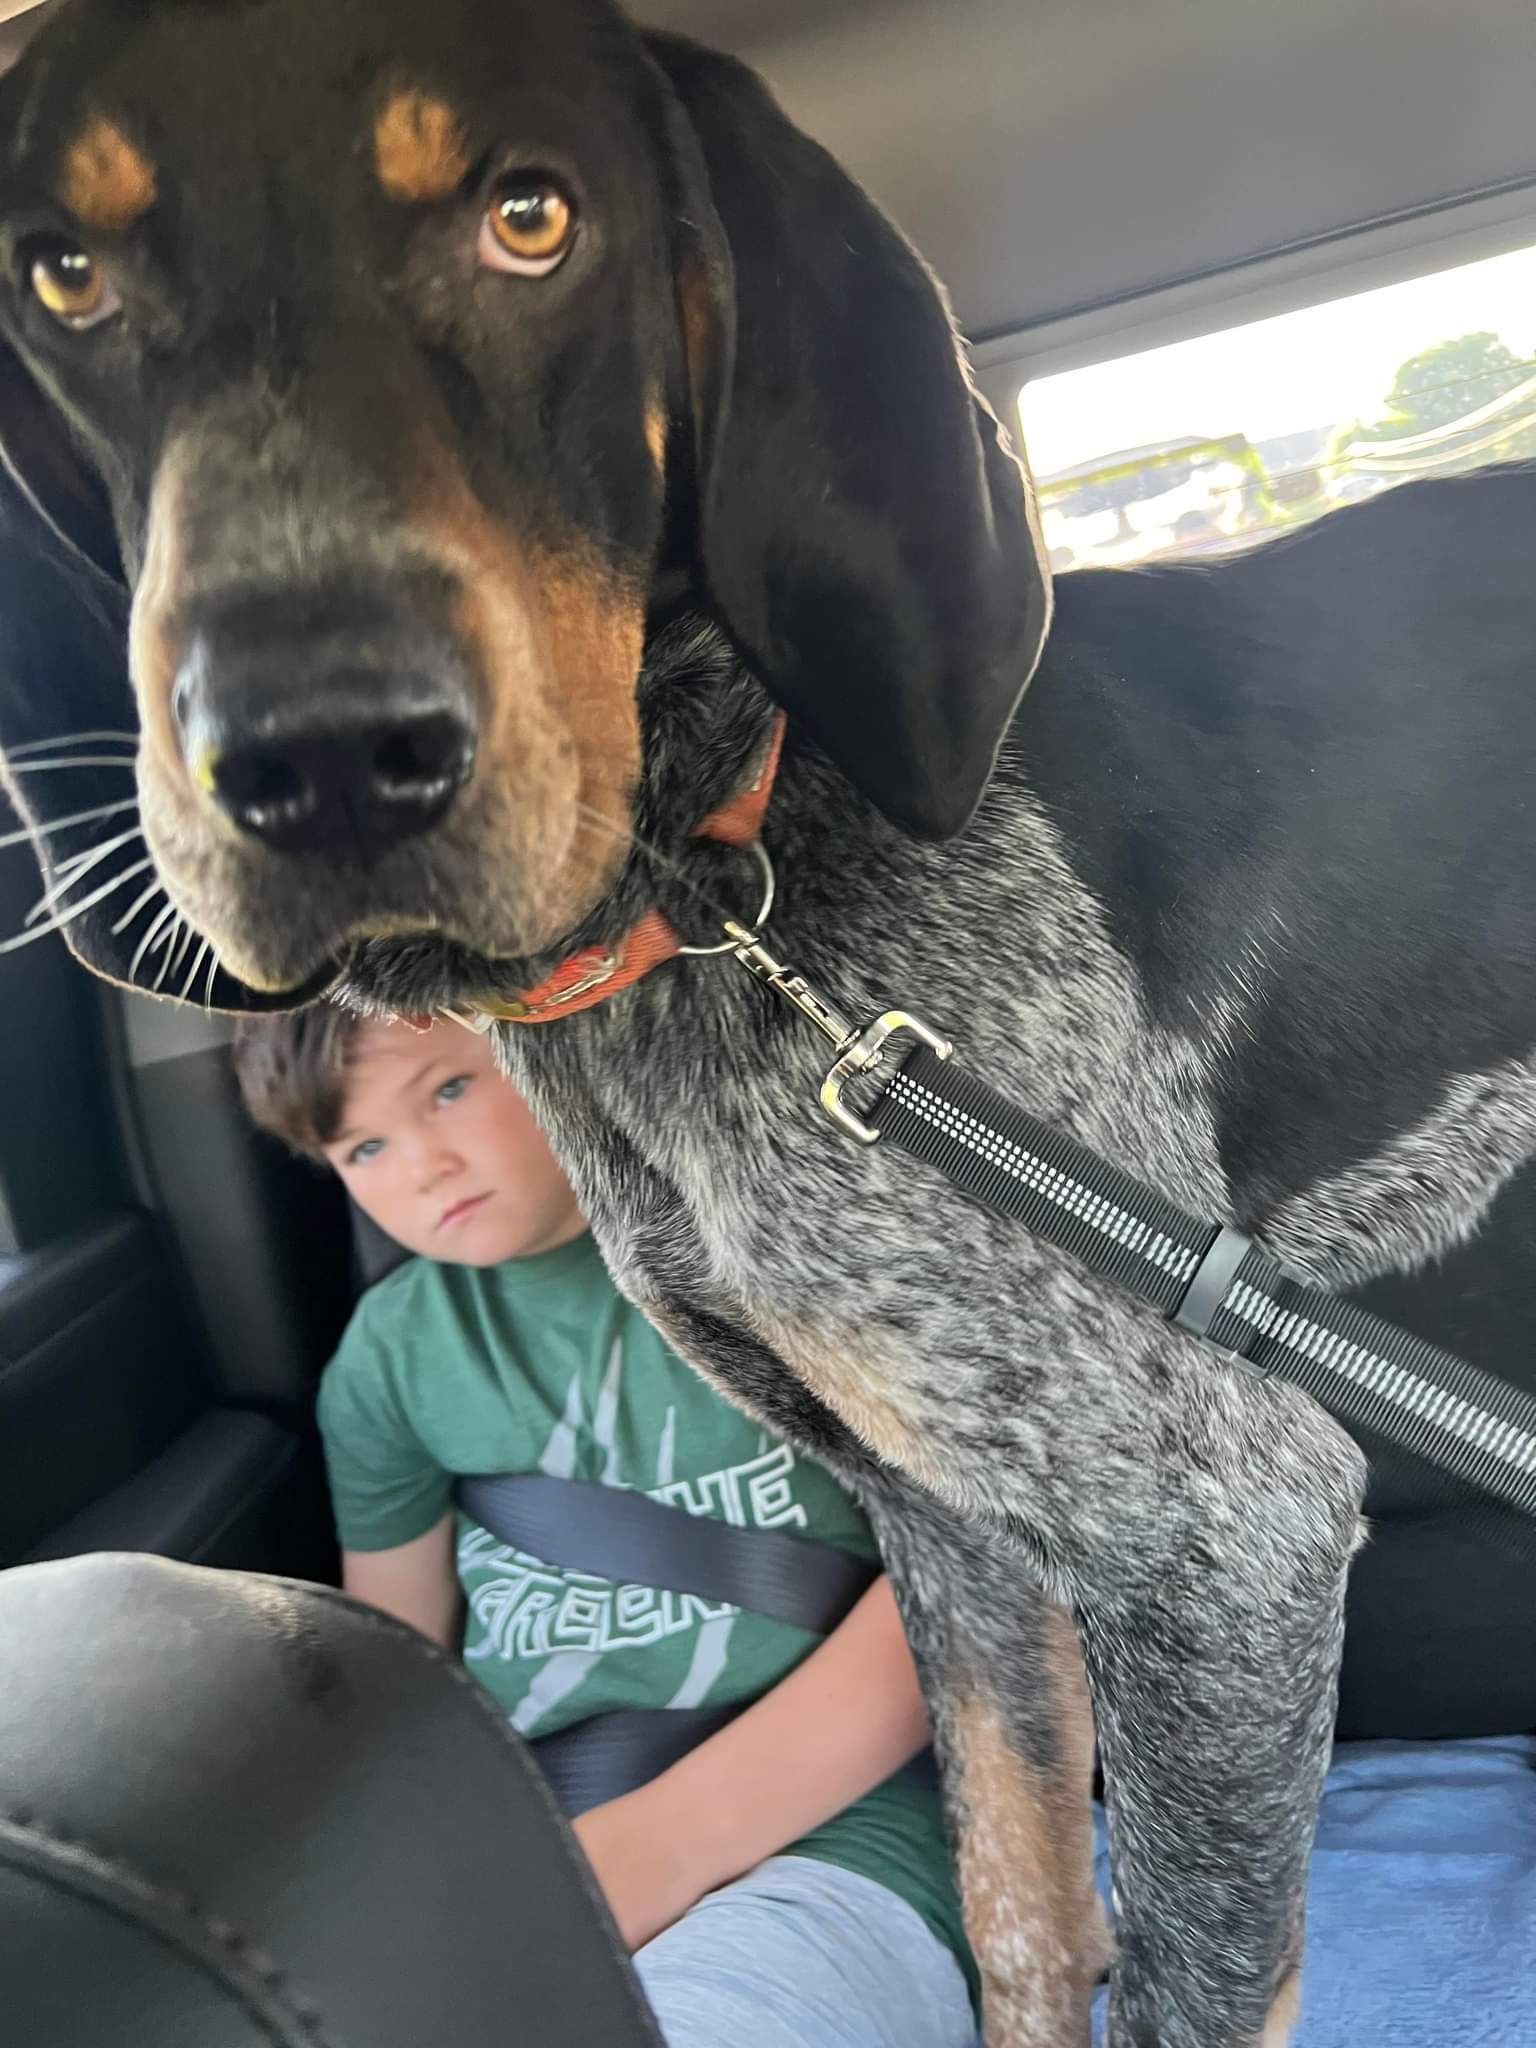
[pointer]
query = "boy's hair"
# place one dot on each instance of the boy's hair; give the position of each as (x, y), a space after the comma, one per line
(292, 1071)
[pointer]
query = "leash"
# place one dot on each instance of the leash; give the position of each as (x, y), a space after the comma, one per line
(1208, 1279)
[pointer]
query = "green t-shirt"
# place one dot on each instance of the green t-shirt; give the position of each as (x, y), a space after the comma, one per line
(541, 1365)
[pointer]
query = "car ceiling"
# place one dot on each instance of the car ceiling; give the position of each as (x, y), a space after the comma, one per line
(1051, 155)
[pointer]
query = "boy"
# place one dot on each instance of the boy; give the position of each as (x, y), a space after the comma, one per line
(780, 1886)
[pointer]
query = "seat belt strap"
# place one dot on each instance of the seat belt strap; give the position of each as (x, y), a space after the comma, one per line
(633, 1540)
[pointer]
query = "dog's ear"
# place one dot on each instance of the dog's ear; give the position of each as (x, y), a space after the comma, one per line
(50, 472)
(866, 533)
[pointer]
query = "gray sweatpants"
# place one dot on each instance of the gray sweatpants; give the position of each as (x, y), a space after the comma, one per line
(799, 1954)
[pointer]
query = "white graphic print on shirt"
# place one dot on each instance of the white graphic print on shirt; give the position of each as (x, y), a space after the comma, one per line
(528, 1608)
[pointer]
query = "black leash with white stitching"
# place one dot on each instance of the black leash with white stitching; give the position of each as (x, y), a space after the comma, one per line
(1214, 1281)
(1206, 1277)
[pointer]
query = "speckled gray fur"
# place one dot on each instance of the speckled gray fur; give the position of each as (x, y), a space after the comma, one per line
(1246, 906)
(1425, 1192)
(1195, 1522)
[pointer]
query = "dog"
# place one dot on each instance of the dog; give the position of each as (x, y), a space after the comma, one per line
(481, 426)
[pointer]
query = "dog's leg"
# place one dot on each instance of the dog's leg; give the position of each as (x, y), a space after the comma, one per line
(1213, 1665)
(1002, 1675)
(1201, 1535)
(1013, 1729)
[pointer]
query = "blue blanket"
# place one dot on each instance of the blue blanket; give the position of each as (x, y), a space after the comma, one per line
(1421, 1917)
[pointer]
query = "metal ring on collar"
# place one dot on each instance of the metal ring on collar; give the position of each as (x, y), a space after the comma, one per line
(770, 887)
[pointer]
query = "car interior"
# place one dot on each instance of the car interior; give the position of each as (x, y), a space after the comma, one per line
(1101, 187)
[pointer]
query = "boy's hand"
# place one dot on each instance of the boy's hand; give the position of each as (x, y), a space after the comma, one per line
(831, 1731)
(639, 1853)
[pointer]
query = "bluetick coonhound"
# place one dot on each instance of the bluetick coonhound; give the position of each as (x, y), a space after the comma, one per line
(479, 423)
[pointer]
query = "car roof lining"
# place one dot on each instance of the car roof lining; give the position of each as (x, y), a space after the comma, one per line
(1077, 154)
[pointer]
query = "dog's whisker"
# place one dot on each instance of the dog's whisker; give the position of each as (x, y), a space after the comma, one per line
(75, 864)
(139, 902)
(125, 761)
(171, 949)
(587, 815)
(182, 944)
(46, 931)
(626, 836)
(162, 924)
(85, 855)
(71, 739)
(213, 969)
(74, 869)
(123, 803)
(186, 987)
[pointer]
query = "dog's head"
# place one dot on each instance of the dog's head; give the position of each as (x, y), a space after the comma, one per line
(401, 359)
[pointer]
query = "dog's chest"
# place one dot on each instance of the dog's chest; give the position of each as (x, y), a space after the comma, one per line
(694, 1135)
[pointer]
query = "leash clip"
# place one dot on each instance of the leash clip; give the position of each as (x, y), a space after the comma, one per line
(863, 1056)
(858, 1052)
(747, 947)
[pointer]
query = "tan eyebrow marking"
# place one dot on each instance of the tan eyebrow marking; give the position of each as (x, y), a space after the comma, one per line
(108, 181)
(656, 434)
(419, 150)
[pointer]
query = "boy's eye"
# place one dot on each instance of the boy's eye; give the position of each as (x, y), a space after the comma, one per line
(452, 1090)
(370, 1148)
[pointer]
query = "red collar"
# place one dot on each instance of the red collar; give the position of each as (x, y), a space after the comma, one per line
(592, 975)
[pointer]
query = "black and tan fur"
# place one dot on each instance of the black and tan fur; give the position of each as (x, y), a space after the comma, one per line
(1243, 903)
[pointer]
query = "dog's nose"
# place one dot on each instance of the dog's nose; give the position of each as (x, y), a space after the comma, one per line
(369, 784)
(365, 762)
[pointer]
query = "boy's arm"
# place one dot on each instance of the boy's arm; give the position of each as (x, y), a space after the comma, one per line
(416, 1582)
(836, 1727)
(392, 1500)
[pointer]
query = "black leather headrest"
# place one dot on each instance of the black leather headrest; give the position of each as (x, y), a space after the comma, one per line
(237, 1810)
(375, 1254)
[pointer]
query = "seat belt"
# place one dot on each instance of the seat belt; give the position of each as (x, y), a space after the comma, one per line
(632, 1540)
(636, 1541)
(610, 1754)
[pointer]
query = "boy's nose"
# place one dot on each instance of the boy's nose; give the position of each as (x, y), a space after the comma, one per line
(434, 1168)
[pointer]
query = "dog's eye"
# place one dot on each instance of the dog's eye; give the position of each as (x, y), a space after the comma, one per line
(72, 285)
(529, 225)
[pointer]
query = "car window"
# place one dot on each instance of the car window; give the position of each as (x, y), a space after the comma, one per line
(1212, 444)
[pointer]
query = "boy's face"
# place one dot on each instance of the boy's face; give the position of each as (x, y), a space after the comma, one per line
(443, 1153)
